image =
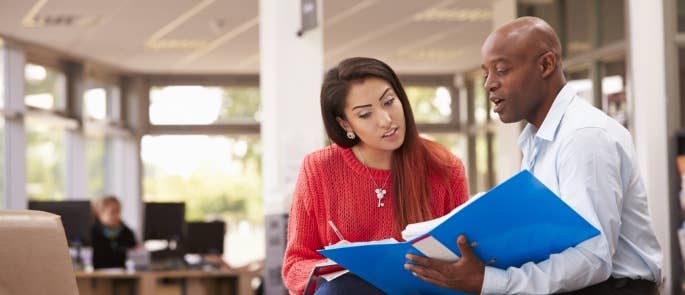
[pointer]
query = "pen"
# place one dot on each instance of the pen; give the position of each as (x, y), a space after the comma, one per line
(335, 230)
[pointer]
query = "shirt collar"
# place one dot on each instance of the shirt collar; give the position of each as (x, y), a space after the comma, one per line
(548, 129)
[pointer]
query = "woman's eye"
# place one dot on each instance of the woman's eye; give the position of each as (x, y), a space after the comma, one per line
(364, 115)
(389, 101)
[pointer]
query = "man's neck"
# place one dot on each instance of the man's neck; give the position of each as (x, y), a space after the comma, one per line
(546, 105)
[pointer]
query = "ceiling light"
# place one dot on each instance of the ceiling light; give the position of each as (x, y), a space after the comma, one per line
(177, 44)
(454, 15)
(426, 53)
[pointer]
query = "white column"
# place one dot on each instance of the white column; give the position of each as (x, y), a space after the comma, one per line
(506, 154)
(291, 70)
(75, 175)
(650, 82)
(12, 61)
(75, 171)
(125, 180)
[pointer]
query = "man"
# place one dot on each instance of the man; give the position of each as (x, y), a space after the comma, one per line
(581, 154)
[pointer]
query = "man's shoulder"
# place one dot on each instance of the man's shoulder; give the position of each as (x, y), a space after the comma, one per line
(587, 130)
(581, 118)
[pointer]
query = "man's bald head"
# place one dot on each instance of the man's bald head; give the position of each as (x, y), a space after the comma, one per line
(522, 69)
(527, 36)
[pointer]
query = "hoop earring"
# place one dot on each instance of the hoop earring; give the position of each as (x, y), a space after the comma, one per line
(350, 135)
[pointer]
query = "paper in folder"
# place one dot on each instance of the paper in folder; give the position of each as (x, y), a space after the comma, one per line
(518, 221)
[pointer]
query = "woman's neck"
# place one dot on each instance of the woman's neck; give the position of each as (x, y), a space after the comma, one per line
(373, 158)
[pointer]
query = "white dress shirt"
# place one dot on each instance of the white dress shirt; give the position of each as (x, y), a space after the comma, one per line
(587, 159)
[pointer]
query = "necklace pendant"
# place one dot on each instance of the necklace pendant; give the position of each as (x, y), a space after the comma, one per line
(380, 193)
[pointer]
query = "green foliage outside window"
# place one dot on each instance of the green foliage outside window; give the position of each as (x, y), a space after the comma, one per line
(96, 148)
(210, 190)
(429, 104)
(240, 103)
(44, 161)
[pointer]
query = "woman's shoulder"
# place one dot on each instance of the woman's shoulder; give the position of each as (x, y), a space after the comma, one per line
(324, 156)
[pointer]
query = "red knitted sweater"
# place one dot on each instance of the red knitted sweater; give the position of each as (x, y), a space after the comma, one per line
(334, 185)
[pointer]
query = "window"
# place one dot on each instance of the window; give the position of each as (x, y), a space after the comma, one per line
(477, 134)
(547, 10)
(202, 105)
(681, 81)
(430, 104)
(483, 172)
(2, 161)
(217, 177)
(95, 103)
(480, 100)
(580, 80)
(45, 88)
(454, 142)
(614, 100)
(97, 167)
(681, 15)
(45, 160)
(612, 21)
(579, 27)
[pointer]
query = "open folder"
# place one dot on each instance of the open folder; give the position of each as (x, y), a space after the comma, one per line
(518, 221)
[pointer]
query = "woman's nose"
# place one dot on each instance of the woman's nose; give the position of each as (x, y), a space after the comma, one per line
(385, 119)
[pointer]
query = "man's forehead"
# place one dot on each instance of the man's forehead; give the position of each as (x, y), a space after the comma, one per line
(502, 50)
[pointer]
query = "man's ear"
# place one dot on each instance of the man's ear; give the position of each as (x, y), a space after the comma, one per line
(344, 124)
(548, 63)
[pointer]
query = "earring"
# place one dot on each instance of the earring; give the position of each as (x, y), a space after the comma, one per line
(350, 135)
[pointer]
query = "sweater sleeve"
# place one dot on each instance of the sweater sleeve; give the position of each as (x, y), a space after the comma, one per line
(303, 235)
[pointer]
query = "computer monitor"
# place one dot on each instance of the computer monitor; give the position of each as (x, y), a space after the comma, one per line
(77, 218)
(164, 221)
(205, 237)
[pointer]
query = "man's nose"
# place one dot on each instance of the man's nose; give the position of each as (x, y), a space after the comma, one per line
(491, 83)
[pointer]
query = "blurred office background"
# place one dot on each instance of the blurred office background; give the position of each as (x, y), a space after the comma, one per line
(214, 103)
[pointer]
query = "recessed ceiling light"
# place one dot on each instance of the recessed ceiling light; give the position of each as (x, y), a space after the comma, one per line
(430, 54)
(454, 15)
(176, 44)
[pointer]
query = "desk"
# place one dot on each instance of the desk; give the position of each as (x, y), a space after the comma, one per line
(181, 282)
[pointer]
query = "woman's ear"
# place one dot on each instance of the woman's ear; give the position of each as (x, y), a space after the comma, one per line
(344, 124)
(548, 64)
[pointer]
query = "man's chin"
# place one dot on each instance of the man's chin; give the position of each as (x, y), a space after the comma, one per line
(504, 118)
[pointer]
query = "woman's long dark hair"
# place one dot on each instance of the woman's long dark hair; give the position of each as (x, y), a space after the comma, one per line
(411, 162)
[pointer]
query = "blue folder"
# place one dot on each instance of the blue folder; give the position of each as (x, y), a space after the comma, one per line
(518, 221)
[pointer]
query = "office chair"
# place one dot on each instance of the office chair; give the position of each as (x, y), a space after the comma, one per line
(34, 257)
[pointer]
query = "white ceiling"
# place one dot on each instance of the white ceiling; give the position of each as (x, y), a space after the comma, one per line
(221, 36)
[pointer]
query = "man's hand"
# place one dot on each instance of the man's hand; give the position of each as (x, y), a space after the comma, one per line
(465, 275)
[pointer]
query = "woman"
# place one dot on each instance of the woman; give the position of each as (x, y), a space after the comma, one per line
(111, 237)
(376, 178)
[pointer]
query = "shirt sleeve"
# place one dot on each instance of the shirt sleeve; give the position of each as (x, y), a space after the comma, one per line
(303, 237)
(588, 169)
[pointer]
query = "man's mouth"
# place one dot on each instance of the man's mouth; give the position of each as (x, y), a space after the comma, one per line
(499, 103)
